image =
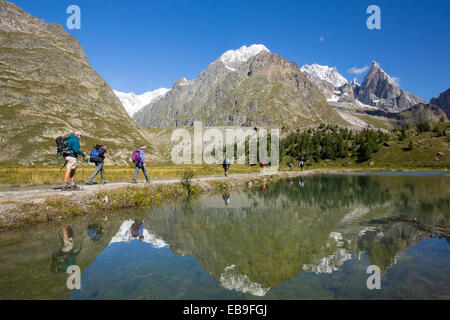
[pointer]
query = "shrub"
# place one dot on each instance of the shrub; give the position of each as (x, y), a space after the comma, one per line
(423, 126)
(186, 180)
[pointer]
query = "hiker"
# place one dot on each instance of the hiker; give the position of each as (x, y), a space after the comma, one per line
(226, 166)
(262, 165)
(98, 156)
(290, 165)
(137, 229)
(73, 144)
(139, 161)
(301, 164)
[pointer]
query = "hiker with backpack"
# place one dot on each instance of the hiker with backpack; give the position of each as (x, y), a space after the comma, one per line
(70, 152)
(97, 156)
(139, 161)
(226, 166)
(301, 164)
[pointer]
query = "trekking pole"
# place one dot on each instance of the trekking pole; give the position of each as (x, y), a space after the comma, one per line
(83, 164)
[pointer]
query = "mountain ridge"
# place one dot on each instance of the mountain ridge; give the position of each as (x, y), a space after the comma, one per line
(252, 94)
(48, 89)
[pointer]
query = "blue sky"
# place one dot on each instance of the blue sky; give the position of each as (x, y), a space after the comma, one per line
(142, 45)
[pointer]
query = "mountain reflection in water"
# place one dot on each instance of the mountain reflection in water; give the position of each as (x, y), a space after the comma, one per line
(307, 238)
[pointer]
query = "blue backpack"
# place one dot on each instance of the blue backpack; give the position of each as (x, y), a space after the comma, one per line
(95, 154)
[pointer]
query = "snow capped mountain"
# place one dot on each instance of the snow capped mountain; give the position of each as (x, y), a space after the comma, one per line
(133, 102)
(231, 279)
(317, 73)
(232, 59)
(124, 235)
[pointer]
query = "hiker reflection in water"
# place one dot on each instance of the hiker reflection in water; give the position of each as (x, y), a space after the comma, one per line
(137, 229)
(301, 183)
(95, 232)
(263, 188)
(226, 198)
(66, 256)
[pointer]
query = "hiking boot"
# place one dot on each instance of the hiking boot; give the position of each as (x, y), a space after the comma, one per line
(89, 183)
(66, 188)
(75, 187)
(133, 181)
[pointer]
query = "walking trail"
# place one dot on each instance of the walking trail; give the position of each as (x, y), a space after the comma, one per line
(38, 194)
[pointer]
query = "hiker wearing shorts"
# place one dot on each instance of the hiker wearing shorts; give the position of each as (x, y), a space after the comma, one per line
(140, 164)
(73, 144)
(99, 164)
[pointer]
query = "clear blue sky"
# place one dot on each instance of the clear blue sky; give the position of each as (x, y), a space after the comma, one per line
(142, 45)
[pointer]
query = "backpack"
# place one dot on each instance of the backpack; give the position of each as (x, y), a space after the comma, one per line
(62, 148)
(135, 229)
(95, 154)
(95, 232)
(136, 156)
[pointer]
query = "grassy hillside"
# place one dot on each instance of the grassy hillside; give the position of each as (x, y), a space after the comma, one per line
(401, 149)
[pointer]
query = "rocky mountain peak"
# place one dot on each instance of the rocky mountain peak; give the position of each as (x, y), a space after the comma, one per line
(14, 20)
(380, 90)
(49, 89)
(443, 101)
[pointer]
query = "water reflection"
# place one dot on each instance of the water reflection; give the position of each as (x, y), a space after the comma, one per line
(307, 238)
(66, 255)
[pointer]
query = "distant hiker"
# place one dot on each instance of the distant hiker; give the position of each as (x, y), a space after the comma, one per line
(290, 165)
(137, 229)
(97, 156)
(226, 165)
(262, 165)
(139, 161)
(301, 164)
(73, 144)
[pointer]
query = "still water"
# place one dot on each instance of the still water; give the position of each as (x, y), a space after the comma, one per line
(308, 238)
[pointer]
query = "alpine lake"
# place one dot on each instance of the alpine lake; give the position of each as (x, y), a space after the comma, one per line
(315, 237)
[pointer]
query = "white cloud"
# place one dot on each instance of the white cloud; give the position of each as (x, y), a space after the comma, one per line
(356, 70)
(321, 39)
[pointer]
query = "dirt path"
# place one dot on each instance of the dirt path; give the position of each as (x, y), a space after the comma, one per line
(39, 194)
